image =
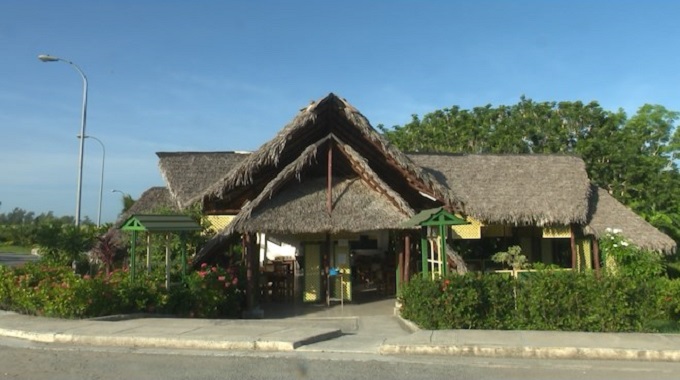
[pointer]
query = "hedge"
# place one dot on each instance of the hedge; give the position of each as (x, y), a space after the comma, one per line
(541, 300)
(55, 291)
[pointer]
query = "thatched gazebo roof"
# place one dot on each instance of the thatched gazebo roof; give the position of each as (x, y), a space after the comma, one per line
(295, 203)
(329, 116)
(301, 208)
(608, 213)
(189, 174)
(515, 189)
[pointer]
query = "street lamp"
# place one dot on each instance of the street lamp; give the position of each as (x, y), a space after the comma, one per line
(101, 181)
(79, 191)
(125, 195)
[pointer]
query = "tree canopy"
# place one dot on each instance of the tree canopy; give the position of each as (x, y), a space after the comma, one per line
(634, 158)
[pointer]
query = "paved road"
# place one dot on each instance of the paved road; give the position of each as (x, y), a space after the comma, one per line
(27, 360)
(15, 259)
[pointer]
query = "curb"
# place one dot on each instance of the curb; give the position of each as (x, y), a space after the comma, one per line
(575, 353)
(407, 325)
(159, 342)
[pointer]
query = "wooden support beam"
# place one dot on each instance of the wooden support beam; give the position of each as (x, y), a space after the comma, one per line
(329, 192)
(133, 245)
(326, 265)
(167, 261)
(251, 286)
(572, 240)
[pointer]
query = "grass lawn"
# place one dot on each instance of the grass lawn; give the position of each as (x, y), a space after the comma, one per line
(14, 249)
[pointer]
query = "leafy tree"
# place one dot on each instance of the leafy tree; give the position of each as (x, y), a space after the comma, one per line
(635, 158)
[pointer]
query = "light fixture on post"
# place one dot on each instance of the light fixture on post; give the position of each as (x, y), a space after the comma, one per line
(79, 191)
(101, 181)
(121, 192)
(126, 198)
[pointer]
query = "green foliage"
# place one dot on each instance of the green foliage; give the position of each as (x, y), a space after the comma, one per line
(64, 243)
(669, 300)
(55, 291)
(546, 300)
(463, 302)
(573, 301)
(633, 158)
(622, 257)
(211, 292)
(513, 257)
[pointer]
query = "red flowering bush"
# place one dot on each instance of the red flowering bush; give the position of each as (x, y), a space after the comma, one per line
(212, 291)
(55, 291)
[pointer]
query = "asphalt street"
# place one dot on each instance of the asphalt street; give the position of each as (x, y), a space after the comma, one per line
(21, 359)
(15, 259)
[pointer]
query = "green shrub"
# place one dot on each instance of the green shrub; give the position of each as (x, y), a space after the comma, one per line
(546, 300)
(462, 302)
(420, 298)
(624, 258)
(55, 291)
(669, 299)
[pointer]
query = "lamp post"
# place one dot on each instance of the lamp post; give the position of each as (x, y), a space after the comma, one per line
(79, 191)
(101, 181)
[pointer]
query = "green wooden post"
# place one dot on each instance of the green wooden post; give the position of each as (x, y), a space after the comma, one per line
(423, 250)
(442, 248)
(400, 268)
(182, 242)
(133, 246)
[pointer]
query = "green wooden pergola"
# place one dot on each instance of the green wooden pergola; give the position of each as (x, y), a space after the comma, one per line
(166, 224)
(434, 225)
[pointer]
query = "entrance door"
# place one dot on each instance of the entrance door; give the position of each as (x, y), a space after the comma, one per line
(341, 279)
(312, 290)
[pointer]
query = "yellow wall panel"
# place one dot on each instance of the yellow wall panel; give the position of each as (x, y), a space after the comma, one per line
(583, 254)
(467, 231)
(556, 232)
(219, 222)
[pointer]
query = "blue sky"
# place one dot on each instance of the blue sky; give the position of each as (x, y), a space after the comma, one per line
(227, 75)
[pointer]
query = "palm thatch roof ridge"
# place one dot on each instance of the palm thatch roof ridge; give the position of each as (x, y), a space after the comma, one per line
(269, 154)
(393, 208)
(189, 174)
(530, 189)
(301, 208)
(609, 213)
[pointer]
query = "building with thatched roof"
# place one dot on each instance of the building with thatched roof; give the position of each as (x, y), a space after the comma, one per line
(334, 188)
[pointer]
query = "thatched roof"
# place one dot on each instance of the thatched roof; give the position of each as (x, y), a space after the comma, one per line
(291, 203)
(330, 115)
(150, 201)
(301, 208)
(515, 189)
(189, 174)
(607, 212)
(281, 188)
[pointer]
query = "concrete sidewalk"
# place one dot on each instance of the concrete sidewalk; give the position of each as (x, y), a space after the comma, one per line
(213, 334)
(340, 330)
